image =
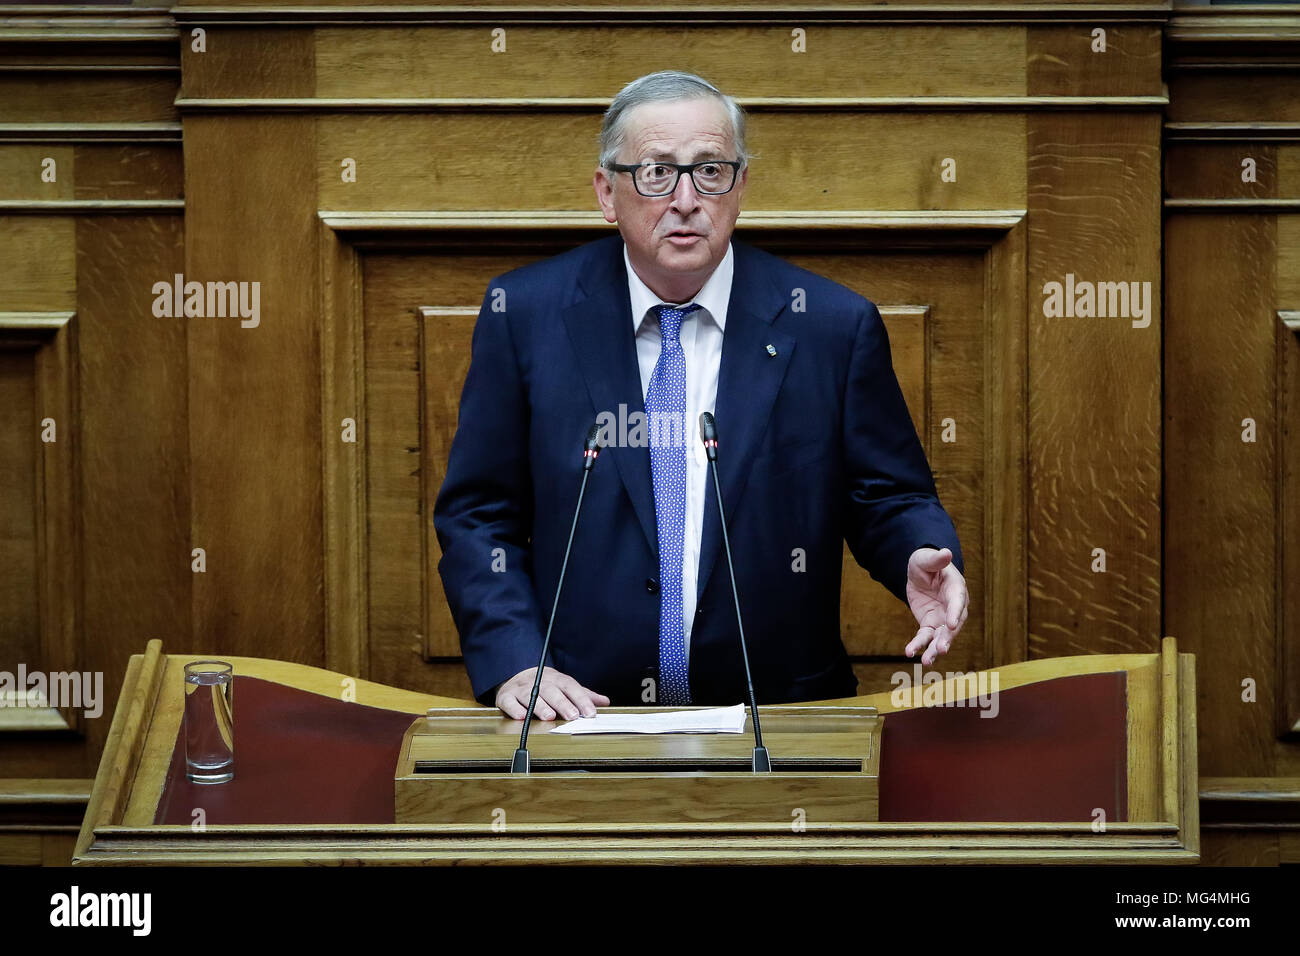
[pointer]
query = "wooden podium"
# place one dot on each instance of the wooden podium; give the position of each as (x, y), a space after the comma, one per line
(1092, 760)
(455, 768)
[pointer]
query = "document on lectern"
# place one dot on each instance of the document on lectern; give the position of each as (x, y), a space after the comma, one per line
(719, 720)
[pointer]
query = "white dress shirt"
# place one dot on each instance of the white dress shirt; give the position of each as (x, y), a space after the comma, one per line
(701, 338)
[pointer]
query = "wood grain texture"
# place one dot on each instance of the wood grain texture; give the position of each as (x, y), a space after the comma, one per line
(1094, 388)
(255, 393)
(242, 61)
(129, 171)
(133, 437)
(808, 160)
(1286, 334)
(1219, 508)
(38, 271)
(596, 60)
(1062, 60)
(23, 165)
(1214, 170)
(1258, 95)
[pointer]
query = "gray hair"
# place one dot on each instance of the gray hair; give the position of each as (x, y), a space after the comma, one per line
(661, 87)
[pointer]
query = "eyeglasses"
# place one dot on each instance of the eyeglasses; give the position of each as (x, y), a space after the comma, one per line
(655, 178)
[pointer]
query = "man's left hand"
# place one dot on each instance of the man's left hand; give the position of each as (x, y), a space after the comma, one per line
(936, 592)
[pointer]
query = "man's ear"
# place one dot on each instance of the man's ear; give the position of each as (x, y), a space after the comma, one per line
(603, 183)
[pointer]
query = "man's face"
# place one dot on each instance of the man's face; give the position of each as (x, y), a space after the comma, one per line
(676, 241)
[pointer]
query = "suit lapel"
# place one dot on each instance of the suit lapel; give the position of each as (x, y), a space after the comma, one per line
(600, 329)
(749, 380)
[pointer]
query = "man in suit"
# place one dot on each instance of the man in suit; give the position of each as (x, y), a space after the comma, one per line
(670, 318)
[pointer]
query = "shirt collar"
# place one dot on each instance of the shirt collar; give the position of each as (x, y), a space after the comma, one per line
(714, 297)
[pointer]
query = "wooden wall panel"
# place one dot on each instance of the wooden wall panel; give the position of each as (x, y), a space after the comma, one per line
(860, 161)
(404, 593)
(1232, 249)
(1068, 61)
(255, 400)
(243, 61)
(199, 433)
(139, 97)
(1094, 410)
(842, 60)
(39, 272)
(19, 609)
(134, 442)
(1219, 507)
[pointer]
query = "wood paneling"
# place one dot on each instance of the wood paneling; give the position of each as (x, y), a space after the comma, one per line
(1072, 433)
(808, 160)
(1094, 388)
(1232, 250)
(255, 400)
(577, 60)
(1067, 61)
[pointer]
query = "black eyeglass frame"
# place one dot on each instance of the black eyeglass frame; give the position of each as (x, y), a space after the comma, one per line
(688, 168)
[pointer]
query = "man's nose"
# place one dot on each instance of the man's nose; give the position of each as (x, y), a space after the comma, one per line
(685, 196)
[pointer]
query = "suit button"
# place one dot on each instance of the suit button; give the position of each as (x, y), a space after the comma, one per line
(699, 612)
(651, 586)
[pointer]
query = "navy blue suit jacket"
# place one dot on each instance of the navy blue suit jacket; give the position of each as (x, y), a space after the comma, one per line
(816, 447)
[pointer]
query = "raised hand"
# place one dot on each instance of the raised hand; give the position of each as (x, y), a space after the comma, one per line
(937, 595)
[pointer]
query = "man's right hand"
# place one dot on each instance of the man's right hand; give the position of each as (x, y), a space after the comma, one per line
(559, 693)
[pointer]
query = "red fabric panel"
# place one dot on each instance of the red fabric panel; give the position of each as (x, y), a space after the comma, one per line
(1055, 751)
(299, 758)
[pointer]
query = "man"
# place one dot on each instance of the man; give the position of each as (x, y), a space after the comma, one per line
(672, 317)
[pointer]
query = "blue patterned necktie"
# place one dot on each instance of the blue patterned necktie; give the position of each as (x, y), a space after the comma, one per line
(665, 406)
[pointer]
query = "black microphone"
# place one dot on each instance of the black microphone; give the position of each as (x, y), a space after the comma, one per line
(709, 435)
(590, 450)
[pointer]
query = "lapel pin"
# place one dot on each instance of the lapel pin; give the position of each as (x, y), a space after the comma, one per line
(771, 350)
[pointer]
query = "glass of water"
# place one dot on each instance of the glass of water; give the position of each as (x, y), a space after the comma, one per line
(209, 722)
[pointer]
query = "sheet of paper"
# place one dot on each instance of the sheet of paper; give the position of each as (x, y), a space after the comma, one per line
(718, 720)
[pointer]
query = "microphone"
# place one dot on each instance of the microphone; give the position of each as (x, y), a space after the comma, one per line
(709, 435)
(590, 450)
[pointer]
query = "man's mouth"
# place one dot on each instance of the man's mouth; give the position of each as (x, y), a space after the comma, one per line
(682, 237)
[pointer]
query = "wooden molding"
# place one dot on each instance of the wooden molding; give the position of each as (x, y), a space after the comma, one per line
(1232, 132)
(1250, 802)
(52, 338)
(1286, 455)
(90, 132)
(1233, 205)
(1262, 23)
(755, 104)
(614, 11)
(989, 225)
(76, 24)
(62, 207)
(50, 806)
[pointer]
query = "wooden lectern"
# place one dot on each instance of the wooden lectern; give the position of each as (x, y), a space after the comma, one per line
(454, 768)
(1090, 760)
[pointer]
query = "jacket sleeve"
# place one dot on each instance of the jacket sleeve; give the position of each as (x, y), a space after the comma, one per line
(483, 514)
(892, 506)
